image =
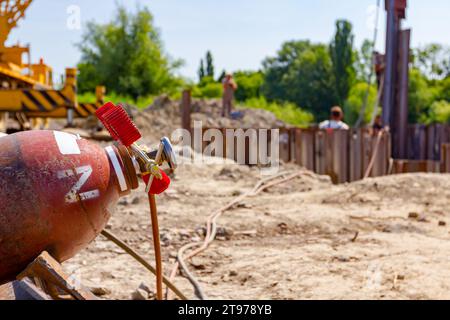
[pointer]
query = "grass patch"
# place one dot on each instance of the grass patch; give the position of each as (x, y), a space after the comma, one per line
(141, 103)
(286, 111)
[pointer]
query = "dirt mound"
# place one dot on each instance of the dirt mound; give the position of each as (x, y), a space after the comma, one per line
(416, 188)
(164, 116)
(307, 239)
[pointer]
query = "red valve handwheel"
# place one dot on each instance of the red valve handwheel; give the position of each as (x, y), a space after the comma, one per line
(118, 123)
(158, 185)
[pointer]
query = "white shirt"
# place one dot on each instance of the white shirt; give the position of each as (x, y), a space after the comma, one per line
(333, 124)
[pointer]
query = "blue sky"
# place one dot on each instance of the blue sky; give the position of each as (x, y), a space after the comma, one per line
(240, 33)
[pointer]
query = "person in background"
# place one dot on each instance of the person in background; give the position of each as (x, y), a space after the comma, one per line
(335, 121)
(377, 125)
(229, 87)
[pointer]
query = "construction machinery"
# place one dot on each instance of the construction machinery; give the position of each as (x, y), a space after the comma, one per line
(26, 89)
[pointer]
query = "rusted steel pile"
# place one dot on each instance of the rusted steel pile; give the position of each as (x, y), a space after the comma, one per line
(346, 155)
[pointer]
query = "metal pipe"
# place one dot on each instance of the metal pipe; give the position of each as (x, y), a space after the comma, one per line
(401, 114)
(391, 58)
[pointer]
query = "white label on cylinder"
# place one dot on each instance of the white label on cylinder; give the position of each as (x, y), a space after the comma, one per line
(67, 143)
(117, 168)
(84, 172)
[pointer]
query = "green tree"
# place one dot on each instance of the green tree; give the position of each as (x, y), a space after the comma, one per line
(363, 61)
(301, 73)
(209, 64)
(355, 101)
(249, 84)
(420, 96)
(201, 71)
(439, 112)
(285, 111)
(443, 89)
(343, 58)
(433, 60)
(126, 56)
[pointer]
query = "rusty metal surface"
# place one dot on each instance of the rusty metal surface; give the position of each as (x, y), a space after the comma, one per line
(417, 141)
(400, 129)
(424, 142)
(345, 155)
(414, 166)
(285, 145)
(129, 170)
(305, 148)
(390, 79)
(382, 155)
(355, 155)
(340, 155)
(42, 209)
(186, 110)
(445, 158)
(320, 145)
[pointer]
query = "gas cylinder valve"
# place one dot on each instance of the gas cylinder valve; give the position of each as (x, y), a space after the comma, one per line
(123, 130)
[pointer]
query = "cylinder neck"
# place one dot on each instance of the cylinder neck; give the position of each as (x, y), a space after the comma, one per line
(130, 167)
(120, 165)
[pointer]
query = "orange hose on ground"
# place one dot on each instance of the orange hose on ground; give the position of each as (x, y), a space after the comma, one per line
(375, 153)
(157, 246)
(211, 226)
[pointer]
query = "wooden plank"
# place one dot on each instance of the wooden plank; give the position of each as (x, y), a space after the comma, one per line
(7, 292)
(49, 271)
(22, 290)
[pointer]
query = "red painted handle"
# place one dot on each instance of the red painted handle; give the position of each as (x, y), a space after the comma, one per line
(158, 185)
(118, 123)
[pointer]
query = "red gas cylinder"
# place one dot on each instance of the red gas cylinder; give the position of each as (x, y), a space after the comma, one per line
(56, 193)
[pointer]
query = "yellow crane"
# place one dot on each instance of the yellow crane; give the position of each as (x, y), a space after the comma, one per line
(26, 89)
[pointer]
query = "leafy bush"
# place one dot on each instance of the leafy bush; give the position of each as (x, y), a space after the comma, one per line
(249, 84)
(443, 88)
(141, 103)
(420, 95)
(439, 112)
(211, 90)
(206, 80)
(286, 111)
(355, 102)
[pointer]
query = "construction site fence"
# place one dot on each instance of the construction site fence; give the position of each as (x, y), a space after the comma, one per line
(425, 142)
(350, 155)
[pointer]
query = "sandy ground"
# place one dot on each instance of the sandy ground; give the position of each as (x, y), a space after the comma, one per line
(383, 238)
